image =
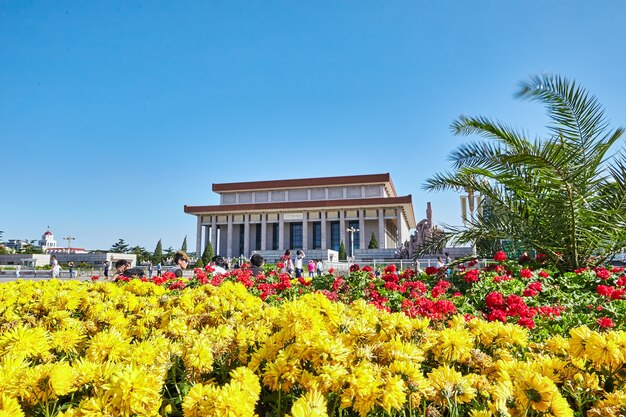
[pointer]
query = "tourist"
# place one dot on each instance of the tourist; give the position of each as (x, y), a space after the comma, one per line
(299, 259)
(448, 259)
(219, 265)
(256, 263)
(54, 267)
(70, 266)
(159, 269)
(320, 267)
(181, 261)
(17, 271)
(418, 267)
(105, 271)
(440, 263)
(311, 268)
(120, 269)
(288, 263)
(149, 269)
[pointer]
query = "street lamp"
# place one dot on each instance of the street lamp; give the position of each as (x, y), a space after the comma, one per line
(352, 231)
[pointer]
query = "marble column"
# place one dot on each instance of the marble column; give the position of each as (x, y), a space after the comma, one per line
(199, 237)
(246, 235)
(382, 236)
(229, 237)
(323, 230)
(263, 231)
(399, 221)
(362, 236)
(342, 229)
(214, 241)
(281, 232)
(305, 232)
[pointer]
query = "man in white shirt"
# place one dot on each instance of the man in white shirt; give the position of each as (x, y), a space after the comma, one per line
(298, 266)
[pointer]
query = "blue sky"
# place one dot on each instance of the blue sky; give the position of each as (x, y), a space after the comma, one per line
(115, 114)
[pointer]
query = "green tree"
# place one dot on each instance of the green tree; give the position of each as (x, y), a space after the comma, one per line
(373, 242)
(199, 263)
(342, 252)
(142, 254)
(207, 255)
(120, 247)
(158, 253)
(184, 247)
(564, 195)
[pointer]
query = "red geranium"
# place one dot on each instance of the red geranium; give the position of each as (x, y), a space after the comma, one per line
(499, 256)
(605, 322)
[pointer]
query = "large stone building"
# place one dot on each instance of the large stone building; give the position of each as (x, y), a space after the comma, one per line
(312, 214)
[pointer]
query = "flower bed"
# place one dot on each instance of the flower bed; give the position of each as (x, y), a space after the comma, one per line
(195, 349)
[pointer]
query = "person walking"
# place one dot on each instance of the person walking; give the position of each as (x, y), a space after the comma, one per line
(70, 266)
(298, 263)
(105, 270)
(287, 262)
(17, 271)
(320, 267)
(149, 269)
(311, 268)
(181, 261)
(55, 269)
(159, 269)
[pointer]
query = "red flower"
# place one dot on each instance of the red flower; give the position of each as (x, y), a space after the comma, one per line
(367, 268)
(605, 322)
(499, 256)
(95, 278)
(390, 269)
(331, 270)
(605, 290)
(526, 273)
(543, 274)
(602, 273)
(494, 300)
(354, 268)
(431, 270)
(526, 322)
(472, 275)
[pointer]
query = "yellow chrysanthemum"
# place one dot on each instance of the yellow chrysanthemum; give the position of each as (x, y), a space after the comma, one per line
(108, 345)
(10, 407)
(578, 341)
(394, 393)
(24, 342)
(451, 386)
(534, 390)
(312, 404)
(135, 391)
(62, 378)
(604, 351)
(454, 345)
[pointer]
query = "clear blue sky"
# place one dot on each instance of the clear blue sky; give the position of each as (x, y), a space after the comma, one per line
(115, 114)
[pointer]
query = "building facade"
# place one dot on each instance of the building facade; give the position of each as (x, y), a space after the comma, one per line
(312, 214)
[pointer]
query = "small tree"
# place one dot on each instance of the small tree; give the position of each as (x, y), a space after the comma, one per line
(199, 263)
(120, 247)
(373, 242)
(158, 253)
(342, 252)
(184, 247)
(207, 256)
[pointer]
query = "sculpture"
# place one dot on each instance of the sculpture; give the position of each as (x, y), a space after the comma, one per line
(423, 232)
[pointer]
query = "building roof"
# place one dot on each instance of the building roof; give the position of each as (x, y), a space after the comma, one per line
(308, 182)
(47, 233)
(405, 201)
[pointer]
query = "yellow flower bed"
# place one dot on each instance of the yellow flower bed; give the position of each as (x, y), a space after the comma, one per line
(100, 349)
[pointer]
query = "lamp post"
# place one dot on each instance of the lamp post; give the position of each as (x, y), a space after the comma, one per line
(69, 242)
(352, 231)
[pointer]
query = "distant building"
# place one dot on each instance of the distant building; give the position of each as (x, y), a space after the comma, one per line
(56, 251)
(312, 214)
(17, 244)
(47, 241)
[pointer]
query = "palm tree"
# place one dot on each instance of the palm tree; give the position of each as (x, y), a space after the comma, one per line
(564, 196)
